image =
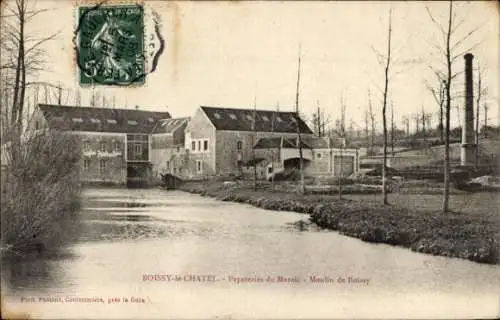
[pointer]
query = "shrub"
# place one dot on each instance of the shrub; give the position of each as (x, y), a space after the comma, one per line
(40, 192)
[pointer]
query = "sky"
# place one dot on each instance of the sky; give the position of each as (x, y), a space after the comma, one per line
(232, 54)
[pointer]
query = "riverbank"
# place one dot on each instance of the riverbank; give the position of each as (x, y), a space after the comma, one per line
(415, 222)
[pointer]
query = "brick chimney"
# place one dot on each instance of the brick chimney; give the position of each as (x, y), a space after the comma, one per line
(468, 149)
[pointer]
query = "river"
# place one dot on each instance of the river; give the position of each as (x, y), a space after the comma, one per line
(134, 241)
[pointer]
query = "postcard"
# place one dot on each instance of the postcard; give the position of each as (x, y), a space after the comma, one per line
(248, 160)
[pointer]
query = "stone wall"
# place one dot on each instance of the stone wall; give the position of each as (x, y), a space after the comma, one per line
(103, 158)
(169, 160)
(227, 150)
(320, 163)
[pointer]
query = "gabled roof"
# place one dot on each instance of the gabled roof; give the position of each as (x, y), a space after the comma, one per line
(268, 143)
(232, 119)
(280, 142)
(101, 119)
(316, 143)
(170, 125)
(308, 142)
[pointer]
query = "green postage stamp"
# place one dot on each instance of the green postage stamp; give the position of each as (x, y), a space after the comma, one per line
(110, 45)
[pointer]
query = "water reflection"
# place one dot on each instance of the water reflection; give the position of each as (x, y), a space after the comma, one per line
(37, 273)
(171, 232)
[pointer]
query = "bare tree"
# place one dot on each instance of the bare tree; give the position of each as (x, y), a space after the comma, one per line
(417, 118)
(392, 128)
(366, 124)
(350, 130)
(450, 51)
(425, 119)
(320, 121)
(93, 97)
(254, 140)
(78, 98)
(4, 111)
(341, 132)
(384, 107)
(299, 139)
(439, 97)
(21, 53)
(406, 124)
(480, 93)
(317, 120)
(485, 133)
(104, 102)
(371, 114)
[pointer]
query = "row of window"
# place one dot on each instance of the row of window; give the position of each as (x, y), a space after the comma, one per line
(116, 147)
(103, 146)
(103, 165)
(199, 167)
(250, 117)
(137, 137)
(199, 145)
(109, 121)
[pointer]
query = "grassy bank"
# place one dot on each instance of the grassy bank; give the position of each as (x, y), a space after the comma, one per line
(415, 222)
(40, 194)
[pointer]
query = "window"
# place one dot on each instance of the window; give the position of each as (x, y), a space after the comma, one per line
(318, 155)
(216, 115)
(293, 119)
(168, 165)
(239, 145)
(270, 170)
(37, 125)
(86, 165)
(103, 146)
(151, 120)
(232, 116)
(249, 117)
(205, 145)
(94, 120)
(117, 146)
(102, 165)
(278, 119)
(199, 145)
(193, 145)
(86, 145)
(198, 166)
(178, 149)
(132, 122)
(111, 121)
(265, 118)
(138, 149)
(77, 120)
(175, 170)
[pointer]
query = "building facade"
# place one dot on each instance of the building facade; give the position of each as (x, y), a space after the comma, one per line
(230, 141)
(116, 142)
(122, 146)
(168, 153)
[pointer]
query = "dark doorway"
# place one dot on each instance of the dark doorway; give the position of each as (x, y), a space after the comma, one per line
(139, 174)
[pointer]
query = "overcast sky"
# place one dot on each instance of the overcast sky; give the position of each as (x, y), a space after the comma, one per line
(227, 54)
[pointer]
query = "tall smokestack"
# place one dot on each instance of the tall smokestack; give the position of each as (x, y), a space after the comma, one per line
(467, 156)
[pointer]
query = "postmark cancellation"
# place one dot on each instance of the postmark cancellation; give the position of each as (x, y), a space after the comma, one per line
(116, 44)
